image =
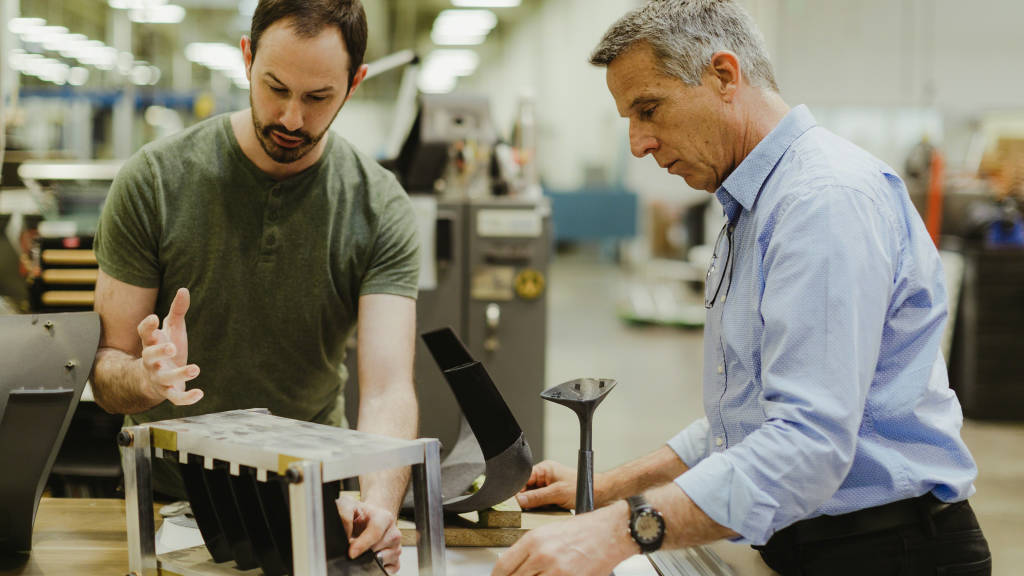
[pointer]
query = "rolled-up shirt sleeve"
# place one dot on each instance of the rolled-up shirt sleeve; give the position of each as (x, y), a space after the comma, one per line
(691, 444)
(828, 275)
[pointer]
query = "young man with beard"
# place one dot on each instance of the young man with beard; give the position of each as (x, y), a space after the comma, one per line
(273, 235)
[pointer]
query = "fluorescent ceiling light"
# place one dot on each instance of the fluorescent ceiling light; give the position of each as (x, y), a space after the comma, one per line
(436, 84)
(96, 53)
(462, 27)
(486, 3)
(447, 39)
(145, 75)
(48, 70)
(21, 25)
(125, 61)
(43, 34)
(78, 76)
(224, 58)
(68, 43)
(452, 62)
(465, 21)
(135, 4)
(167, 14)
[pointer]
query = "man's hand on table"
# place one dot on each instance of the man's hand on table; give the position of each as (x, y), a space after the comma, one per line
(590, 544)
(550, 483)
(370, 527)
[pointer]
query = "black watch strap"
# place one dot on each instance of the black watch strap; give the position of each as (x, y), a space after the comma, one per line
(636, 501)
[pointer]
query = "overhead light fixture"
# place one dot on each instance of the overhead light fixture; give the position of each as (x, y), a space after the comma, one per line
(67, 44)
(223, 58)
(436, 84)
(78, 76)
(462, 27)
(457, 39)
(20, 26)
(145, 75)
(97, 54)
(43, 35)
(135, 4)
(166, 14)
(452, 62)
(486, 3)
(40, 37)
(471, 21)
(442, 68)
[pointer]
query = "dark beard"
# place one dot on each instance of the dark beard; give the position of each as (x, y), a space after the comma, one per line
(277, 153)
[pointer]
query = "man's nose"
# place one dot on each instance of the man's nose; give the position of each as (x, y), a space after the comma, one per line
(291, 118)
(641, 143)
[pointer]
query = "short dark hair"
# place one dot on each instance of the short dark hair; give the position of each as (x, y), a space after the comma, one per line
(310, 17)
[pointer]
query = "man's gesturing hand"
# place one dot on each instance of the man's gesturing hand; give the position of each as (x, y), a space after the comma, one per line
(165, 355)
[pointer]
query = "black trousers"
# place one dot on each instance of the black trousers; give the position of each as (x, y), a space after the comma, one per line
(916, 537)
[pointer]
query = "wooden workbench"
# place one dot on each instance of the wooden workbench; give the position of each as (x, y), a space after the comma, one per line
(87, 538)
(76, 536)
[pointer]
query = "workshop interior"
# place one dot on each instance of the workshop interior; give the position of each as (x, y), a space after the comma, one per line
(560, 308)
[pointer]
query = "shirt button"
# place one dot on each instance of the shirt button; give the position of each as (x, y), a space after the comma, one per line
(271, 240)
(721, 368)
(719, 441)
(276, 191)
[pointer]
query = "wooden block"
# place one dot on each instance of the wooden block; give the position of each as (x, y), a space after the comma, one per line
(464, 531)
(463, 536)
(504, 515)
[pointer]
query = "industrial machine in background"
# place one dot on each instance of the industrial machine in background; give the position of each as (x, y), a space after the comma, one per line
(43, 369)
(484, 266)
(56, 265)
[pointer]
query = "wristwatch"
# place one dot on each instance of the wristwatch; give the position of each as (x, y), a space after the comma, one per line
(646, 525)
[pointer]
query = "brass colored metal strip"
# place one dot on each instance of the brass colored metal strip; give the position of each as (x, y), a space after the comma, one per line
(165, 439)
(284, 461)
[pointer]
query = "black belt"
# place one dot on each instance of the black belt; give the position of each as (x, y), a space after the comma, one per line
(885, 517)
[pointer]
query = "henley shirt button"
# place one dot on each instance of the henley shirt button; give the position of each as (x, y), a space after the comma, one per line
(719, 441)
(271, 239)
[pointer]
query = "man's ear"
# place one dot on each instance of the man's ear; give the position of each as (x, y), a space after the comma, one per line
(726, 74)
(246, 45)
(356, 81)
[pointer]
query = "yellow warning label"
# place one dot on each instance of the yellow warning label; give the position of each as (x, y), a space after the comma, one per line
(529, 284)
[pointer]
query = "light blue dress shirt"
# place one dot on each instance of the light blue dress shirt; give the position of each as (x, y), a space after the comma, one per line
(825, 390)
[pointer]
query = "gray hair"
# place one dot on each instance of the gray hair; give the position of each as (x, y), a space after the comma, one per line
(685, 34)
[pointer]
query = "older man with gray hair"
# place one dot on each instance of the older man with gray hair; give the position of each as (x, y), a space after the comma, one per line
(831, 440)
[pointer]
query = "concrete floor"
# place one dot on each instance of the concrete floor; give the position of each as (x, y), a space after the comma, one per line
(658, 392)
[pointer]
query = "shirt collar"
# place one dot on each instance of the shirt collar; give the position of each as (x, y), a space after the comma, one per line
(741, 188)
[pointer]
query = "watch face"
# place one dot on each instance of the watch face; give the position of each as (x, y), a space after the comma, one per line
(649, 527)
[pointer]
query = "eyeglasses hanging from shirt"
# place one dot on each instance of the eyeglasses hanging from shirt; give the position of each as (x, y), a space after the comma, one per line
(719, 267)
